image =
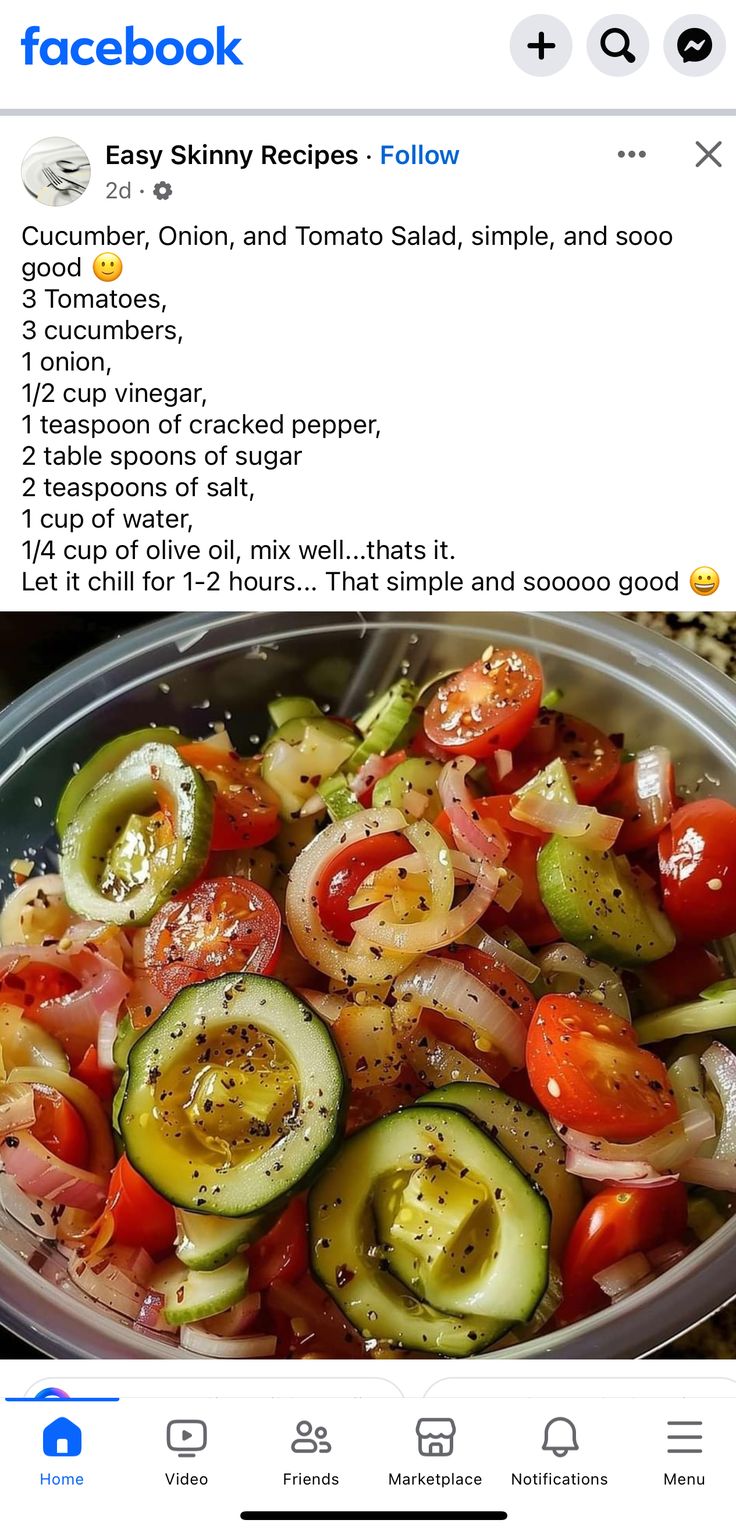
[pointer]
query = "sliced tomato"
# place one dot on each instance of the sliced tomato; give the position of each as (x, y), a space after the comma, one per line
(529, 916)
(31, 985)
(697, 864)
(246, 809)
(421, 745)
(99, 1081)
(142, 1217)
(616, 1223)
(218, 927)
(283, 1253)
(680, 976)
(488, 707)
(59, 1126)
(344, 875)
(588, 1070)
(643, 817)
(591, 757)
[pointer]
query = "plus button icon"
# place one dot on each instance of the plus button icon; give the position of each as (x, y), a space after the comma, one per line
(541, 45)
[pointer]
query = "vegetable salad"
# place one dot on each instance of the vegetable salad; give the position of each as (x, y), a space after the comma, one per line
(407, 1035)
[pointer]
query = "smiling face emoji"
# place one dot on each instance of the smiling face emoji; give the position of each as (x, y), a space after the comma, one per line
(705, 581)
(107, 266)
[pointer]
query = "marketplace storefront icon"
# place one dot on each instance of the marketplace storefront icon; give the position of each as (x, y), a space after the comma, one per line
(436, 1437)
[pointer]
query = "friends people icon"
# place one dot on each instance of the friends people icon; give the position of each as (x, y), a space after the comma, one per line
(310, 1442)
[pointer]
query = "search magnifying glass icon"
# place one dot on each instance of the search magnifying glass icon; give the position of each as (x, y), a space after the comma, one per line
(616, 44)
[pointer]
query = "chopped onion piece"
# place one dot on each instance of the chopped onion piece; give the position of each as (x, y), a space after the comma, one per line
(446, 987)
(438, 1064)
(302, 909)
(326, 1006)
(111, 1281)
(36, 912)
(514, 961)
(597, 1169)
(41, 1174)
(719, 1064)
(652, 778)
(196, 1339)
(565, 959)
(581, 822)
(471, 832)
(442, 925)
(17, 1110)
(503, 762)
(37, 1215)
(661, 1152)
(414, 803)
(624, 1275)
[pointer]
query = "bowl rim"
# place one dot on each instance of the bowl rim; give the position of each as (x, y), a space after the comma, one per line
(690, 1292)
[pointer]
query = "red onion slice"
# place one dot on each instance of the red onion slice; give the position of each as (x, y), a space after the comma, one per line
(471, 832)
(40, 1174)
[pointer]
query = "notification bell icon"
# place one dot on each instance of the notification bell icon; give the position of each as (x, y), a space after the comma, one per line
(560, 1436)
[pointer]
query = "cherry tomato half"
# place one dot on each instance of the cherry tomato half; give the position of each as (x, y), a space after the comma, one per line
(529, 916)
(283, 1253)
(487, 707)
(588, 1070)
(590, 756)
(697, 865)
(218, 927)
(94, 1075)
(679, 976)
(31, 985)
(344, 875)
(643, 817)
(246, 809)
(59, 1126)
(142, 1217)
(616, 1223)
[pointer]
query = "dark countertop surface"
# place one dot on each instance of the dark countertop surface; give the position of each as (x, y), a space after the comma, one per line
(50, 641)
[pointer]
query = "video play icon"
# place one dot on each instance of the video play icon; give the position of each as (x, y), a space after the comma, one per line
(186, 1437)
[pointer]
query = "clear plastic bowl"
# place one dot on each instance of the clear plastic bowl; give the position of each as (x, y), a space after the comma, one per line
(193, 669)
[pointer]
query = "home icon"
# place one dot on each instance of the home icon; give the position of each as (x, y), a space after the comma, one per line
(62, 1439)
(436, 1436)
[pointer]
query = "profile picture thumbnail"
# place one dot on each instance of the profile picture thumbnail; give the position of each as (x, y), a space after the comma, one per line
(56, 171)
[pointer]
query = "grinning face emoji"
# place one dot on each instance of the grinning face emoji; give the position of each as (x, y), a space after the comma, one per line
(705, 581)
(108, 266)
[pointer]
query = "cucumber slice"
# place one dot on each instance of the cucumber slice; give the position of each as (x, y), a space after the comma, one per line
(104, 761)
(281, 710)
(595, 901)
(191, 1296)
(110, 871)
(303, 754)
(487, 1246)
(234, 1097)
(693, 1017)
(419, 773)
(339, 799)
(207, 1241)
(526, 1135)
(124, 1041)
(384, 720)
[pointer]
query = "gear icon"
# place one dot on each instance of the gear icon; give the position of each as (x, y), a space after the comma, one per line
(162, 190)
